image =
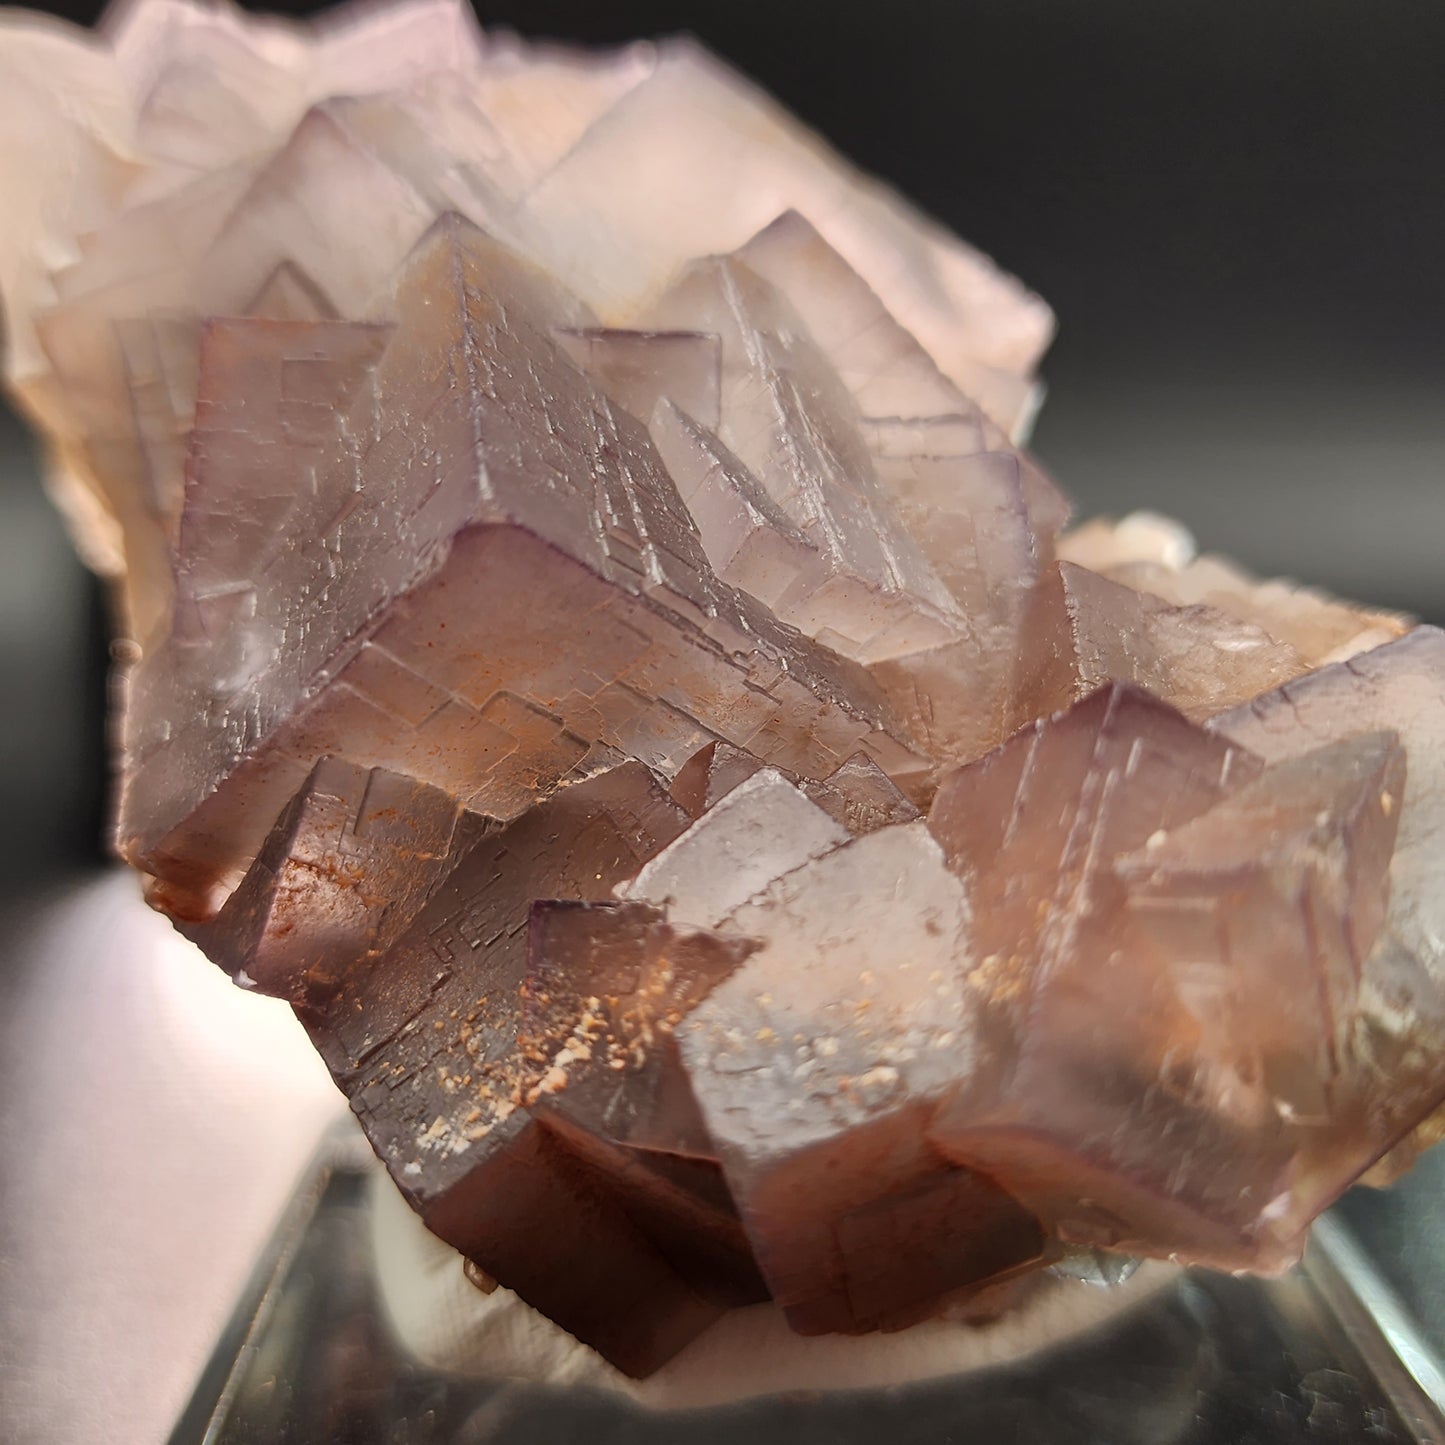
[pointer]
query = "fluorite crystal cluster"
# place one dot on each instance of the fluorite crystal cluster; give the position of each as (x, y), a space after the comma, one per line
(597, 648)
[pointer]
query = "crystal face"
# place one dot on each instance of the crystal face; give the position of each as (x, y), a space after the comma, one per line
(598, 648)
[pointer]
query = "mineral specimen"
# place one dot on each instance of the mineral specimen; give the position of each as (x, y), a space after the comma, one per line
(595, 646)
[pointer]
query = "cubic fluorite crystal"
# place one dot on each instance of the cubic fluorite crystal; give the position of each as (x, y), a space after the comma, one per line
(598, 649)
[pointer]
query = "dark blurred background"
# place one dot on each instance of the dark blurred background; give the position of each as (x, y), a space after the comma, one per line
(1233, 207)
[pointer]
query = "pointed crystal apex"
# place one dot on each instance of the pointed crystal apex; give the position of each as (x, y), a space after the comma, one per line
(600, 649)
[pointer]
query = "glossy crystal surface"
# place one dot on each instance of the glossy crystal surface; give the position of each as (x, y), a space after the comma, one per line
(597, 645)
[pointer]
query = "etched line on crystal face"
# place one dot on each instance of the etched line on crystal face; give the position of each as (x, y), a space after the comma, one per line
(597, 645)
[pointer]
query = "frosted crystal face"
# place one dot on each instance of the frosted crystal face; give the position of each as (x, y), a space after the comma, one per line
(763, 828)
(600, 650)
(816, 1065)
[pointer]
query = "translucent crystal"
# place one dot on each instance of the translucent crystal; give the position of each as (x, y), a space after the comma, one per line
(787, 419)
(567, 529)
(817, 1065)
(451, 1048)
(1392, 1076)
(287, 644)
(1156, 556)
(859, 795)
(762, 829)
(309, 908)
(1196, 657)
(1079, 1087)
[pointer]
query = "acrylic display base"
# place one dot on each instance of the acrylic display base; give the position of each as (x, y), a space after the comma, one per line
(1324, 1356)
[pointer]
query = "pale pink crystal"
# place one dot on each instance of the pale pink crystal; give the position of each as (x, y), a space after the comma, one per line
(568, 527)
